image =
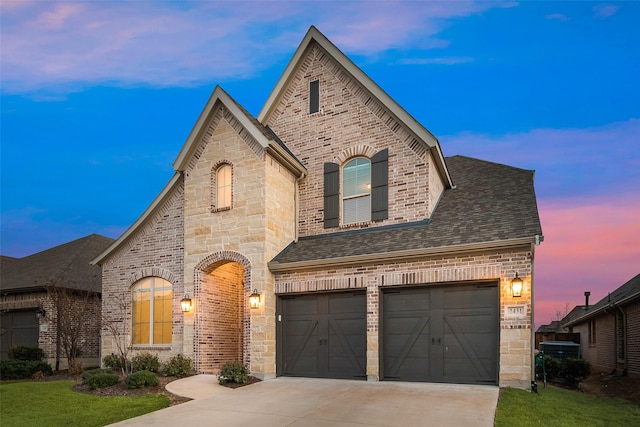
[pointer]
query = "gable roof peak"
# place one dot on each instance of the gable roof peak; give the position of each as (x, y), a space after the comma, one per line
(313, 35)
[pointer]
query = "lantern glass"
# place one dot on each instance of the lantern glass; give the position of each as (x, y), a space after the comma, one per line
(185, 303)
(254, 299)
(516, 287)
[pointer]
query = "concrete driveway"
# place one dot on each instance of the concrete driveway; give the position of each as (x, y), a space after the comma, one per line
(322, 402)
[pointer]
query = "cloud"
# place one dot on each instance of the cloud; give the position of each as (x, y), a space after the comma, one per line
(69, 45)
(597, 158)
(590, 245)
(454, 60)
(605, 10)
(558, 16)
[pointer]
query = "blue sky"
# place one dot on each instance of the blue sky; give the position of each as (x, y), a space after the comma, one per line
(98, 98)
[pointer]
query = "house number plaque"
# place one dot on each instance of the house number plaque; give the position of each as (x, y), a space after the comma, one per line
(516, 311)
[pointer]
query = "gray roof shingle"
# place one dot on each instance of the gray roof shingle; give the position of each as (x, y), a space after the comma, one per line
(65, 266)
(491, 202)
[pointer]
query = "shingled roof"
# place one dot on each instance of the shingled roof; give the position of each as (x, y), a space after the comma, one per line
(491, 204)
(65, 266)
(626, 293)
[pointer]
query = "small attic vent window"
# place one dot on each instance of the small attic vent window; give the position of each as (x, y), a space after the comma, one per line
(314, 96)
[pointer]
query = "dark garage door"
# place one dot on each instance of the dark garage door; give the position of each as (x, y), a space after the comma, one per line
(441, 334)
(18, 328)
(322, 335)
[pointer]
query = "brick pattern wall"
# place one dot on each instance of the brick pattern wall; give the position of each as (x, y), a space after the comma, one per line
(633, 339)
(156, 249)
(48, 326)
(222, 312)
(515, 334)
(350, 123)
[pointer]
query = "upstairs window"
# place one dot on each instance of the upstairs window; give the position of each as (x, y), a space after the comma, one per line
(356, 191)
(314, 96)
(223, 187)
(151, 313)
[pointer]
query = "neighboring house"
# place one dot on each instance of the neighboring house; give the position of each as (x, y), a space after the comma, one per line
(28, 313)
(610, 331)
(557, 330)
(370, 254)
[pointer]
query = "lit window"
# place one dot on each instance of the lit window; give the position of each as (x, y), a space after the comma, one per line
(356, 191)
(152, 311)
(223, 187)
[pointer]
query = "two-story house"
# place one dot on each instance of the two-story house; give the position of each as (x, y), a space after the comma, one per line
(330, 237)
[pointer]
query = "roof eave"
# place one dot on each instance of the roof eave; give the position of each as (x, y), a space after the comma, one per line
(287, 160)
(404, 255)
(160, 198)
(602, 309)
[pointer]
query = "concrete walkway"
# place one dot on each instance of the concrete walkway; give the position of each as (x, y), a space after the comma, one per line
(323, 402)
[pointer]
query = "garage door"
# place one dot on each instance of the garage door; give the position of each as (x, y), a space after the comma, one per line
(441, 334)
(322, 335)
(18, 328)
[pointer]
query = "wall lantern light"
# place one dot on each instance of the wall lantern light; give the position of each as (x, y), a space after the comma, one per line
(185, 303)
(254, 299)
(40, 313)
(516, 286)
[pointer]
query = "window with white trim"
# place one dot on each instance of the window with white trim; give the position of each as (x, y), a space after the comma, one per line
(151, 313)
(223, 187)
(356, 191)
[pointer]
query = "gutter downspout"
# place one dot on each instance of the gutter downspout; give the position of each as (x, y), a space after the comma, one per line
(296, 199)
(624, 338)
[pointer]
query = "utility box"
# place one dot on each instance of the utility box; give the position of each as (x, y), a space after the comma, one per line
(561, 349)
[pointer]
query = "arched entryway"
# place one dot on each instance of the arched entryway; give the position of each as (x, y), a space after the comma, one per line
(222, 333)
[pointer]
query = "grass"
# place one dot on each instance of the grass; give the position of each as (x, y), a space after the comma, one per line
(559, 407)
(54, 403)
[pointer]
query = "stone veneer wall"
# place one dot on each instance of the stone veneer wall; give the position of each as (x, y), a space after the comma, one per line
(156, 249)
(516, 334)
(259, 224)
(350, 123)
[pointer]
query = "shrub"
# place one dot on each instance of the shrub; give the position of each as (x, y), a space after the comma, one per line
(575, 370)
(21, 369)
(145, 362)
(234, 372)
(23, 352)
(101, 380)
(114, 361)
(177, 366)
(141, 379)
(90, 372)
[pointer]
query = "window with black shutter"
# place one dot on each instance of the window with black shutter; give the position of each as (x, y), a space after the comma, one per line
(331, 195)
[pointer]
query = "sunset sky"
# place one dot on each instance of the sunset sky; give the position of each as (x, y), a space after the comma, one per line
(98, 97)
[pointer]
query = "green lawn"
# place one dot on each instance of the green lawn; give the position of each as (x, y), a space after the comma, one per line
(53, 403)
(554, 406)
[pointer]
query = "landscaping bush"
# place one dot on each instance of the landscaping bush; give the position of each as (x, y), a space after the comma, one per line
(141, 379)
(23, 352)
(234, 372)
(177, 366)
(99, 378)
(114, 361)
(89, 372)
(145, 362)
(21, 369)
(572, 371)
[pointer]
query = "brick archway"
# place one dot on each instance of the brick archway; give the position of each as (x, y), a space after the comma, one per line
(222, 323)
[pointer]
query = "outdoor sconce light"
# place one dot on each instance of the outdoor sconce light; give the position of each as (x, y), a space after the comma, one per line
(516, 286)
(40, 313)
(185, 303)
(254, 299)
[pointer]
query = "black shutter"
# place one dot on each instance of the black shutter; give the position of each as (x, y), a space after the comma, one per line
(331, 195)
(380, 185)
(314, 96)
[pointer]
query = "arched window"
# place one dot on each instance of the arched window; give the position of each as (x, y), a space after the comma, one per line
(152, 306)
(223, 187)
(356, 191)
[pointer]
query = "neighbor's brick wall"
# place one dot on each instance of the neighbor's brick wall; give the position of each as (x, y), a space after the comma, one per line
(350, 123)
(515, 333)
(633, 338)
(156, 249)
(48, 327)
